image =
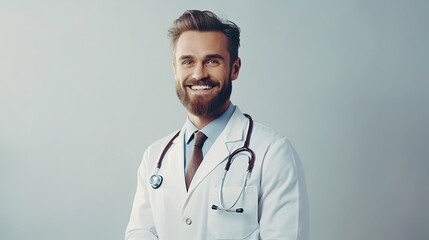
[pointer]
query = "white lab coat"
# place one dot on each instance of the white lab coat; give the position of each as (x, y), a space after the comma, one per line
(274, 201)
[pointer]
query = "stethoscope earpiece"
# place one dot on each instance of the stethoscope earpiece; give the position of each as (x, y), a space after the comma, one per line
(237, 210)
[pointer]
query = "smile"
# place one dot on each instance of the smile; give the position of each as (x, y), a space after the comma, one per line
(201, 87)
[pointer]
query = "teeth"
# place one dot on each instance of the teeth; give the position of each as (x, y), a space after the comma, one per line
(201, 87)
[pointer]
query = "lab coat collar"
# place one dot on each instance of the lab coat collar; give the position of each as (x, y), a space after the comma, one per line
(231, 138)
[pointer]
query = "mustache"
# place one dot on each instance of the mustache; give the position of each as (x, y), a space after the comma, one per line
(205, 81)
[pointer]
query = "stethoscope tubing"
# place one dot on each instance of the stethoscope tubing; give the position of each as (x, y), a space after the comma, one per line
(221, 201)
(156, 179)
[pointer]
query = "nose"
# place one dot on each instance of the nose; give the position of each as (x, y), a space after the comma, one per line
(199, 72)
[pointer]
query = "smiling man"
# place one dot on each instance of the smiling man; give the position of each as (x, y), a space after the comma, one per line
(204, 70)
(221, 176)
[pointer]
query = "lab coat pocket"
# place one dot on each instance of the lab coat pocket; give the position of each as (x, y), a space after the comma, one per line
(233, 225)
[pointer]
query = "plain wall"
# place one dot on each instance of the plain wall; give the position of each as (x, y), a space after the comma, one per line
(86, 86)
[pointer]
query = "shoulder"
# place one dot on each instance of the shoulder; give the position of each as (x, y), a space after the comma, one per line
(157, 146)
(272, 146)
(262, 136)
(268, 134)
(164, 140)
(259, 128)
(274, 149)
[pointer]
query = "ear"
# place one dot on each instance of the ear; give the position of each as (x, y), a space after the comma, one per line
(235, 69)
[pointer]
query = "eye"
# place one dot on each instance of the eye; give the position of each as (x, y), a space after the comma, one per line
(213, 61)
(187, 62)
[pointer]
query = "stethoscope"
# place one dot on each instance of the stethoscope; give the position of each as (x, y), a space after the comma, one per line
(156, 180)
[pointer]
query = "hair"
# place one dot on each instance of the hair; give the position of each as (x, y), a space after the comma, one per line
(204, 21)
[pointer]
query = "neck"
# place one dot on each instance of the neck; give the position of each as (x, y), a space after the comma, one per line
(203, 120)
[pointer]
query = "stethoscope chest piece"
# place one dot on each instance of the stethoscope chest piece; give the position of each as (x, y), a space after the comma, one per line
(155, 181)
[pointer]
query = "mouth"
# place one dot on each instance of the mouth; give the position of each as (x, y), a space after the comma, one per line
(200, 87)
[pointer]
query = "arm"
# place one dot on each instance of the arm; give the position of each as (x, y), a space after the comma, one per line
(141, 225)
(283, 204)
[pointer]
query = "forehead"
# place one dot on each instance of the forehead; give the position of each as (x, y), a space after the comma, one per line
(195, 43)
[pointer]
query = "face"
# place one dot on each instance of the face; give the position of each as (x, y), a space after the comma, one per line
(203, 72)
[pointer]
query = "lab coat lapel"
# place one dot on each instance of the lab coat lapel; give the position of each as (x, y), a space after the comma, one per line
(231, 138)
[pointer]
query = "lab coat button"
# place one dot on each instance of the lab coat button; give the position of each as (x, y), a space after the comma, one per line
(188, 221)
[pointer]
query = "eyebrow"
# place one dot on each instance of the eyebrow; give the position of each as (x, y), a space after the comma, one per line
(183, 57)
(217, 56)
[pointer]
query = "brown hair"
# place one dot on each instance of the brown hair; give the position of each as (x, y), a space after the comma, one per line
(195, 20)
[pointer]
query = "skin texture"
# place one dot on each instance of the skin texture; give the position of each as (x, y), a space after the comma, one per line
(202, 61)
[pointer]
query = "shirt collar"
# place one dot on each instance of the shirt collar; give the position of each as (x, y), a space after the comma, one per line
(211, 130)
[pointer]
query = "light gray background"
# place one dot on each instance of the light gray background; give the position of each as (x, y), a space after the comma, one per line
(86, 86)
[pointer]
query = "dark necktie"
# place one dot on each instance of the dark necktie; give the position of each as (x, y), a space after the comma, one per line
(196, 157)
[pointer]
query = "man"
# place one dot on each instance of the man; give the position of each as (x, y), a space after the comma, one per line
(188, 195)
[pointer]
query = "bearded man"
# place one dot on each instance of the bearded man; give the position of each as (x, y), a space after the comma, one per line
(221, 176)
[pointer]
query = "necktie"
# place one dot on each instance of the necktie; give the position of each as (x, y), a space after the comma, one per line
(196, 157)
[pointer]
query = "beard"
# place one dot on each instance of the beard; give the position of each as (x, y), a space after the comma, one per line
(203, 105)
